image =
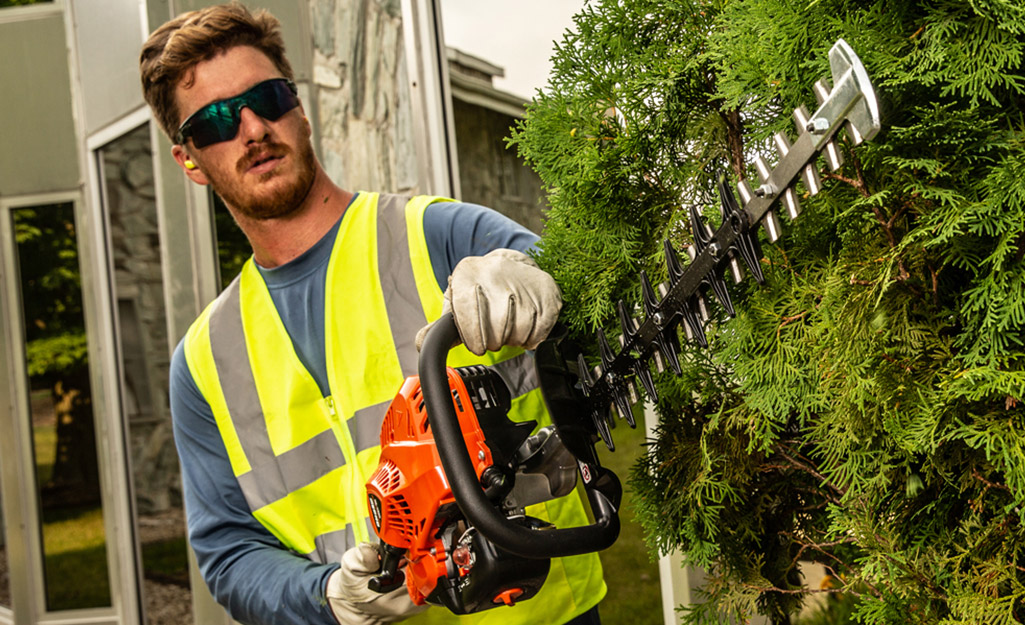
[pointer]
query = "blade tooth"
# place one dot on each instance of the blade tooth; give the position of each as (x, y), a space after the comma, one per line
(644, 375)
(673, 260)
(691, 252)
(812, 182)
(790, 201)
(667, 343)
(782, 144)
(660, 363)
(634, 397)
(601, 424)
(745, 192)
(772, 228)
(698, 228)
(721, 293)
(725, 207)
(663, 289)
(727, 201)
(751, 253)
(623, 406)
(821, 89)
(585, 374)
(764, 171)
(735, 271)
(702, 306)
(694, 323)
(627, 323)
(801, 118)
(852, 132)
(733, 215)
(648, 298)
(688, 332)
(834, 158)
(607, 356)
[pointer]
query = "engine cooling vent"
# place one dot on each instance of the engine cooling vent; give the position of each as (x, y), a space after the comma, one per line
(400, 517)
(387, 477)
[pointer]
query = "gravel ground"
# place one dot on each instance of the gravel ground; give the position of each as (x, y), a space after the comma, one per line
(168, 604)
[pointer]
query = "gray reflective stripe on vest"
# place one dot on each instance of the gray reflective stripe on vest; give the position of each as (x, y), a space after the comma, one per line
(518, 373)
(331, 546)
(365, 425)
(271, 477)
(289, 471)
(405, 311)
(401, 297)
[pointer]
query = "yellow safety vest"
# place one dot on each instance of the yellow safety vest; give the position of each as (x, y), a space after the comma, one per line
(301, 459)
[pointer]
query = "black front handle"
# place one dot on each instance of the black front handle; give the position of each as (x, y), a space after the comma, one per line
(455, 460)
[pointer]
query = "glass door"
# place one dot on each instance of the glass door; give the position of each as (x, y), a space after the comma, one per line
(54, 385)
(128, 197)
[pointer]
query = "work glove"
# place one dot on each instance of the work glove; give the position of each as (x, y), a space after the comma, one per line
(353, 603)
(501, 298)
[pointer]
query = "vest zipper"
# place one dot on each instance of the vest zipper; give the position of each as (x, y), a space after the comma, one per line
(330, 401)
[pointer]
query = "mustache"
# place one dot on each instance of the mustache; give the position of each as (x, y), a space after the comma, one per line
(261, 151)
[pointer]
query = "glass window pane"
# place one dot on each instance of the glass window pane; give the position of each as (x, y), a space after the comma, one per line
(67, 472)
(129, 201)
(233, 249)
(19, 3)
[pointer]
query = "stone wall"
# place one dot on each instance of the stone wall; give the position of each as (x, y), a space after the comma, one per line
(362, 94)
(142, 324)
(490, 173)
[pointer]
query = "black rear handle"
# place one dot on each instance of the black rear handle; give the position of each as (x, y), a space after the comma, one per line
(475, 506)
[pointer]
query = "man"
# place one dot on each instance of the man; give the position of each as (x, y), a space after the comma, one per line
(279, 388)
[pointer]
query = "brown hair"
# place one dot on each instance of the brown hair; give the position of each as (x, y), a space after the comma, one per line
(179, 45)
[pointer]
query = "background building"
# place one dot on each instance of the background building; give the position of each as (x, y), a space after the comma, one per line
(108, 254)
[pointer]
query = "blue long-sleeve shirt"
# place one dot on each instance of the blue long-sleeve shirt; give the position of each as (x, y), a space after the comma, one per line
(248, 570)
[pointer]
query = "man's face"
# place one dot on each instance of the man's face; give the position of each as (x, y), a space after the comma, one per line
(268, 168)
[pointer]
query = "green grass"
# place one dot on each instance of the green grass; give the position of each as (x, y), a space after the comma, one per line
(76, 559)
(45, 442)
(631, 572)
(167, 560)
(74, 542)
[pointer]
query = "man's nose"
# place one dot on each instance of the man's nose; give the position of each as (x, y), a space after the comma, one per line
(252, 127)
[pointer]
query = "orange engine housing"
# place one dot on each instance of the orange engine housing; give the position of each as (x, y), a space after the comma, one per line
(409, 497)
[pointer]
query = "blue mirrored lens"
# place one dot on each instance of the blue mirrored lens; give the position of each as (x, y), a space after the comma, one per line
(219, 121)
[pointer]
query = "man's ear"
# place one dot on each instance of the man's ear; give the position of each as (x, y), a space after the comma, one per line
(188, 165)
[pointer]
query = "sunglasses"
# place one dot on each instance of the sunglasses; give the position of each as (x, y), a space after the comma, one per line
(219, 121)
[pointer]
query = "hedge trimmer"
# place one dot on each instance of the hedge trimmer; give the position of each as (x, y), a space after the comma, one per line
(456, 474)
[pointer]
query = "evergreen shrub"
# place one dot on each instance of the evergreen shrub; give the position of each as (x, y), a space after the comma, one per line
(864, 410)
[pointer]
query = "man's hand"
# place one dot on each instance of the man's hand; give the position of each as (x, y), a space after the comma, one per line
(353, 603)
(501, 298)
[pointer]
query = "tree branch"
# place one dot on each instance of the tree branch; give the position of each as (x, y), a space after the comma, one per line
(805, 465)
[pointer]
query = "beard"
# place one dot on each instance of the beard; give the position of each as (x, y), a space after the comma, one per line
(280, 200)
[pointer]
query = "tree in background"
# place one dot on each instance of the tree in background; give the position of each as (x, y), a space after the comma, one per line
(864, 410)
(56, 351)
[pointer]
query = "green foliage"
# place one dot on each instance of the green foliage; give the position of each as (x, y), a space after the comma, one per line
(16, 3)
(865, 408)
(51, 287)
(56, 355)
